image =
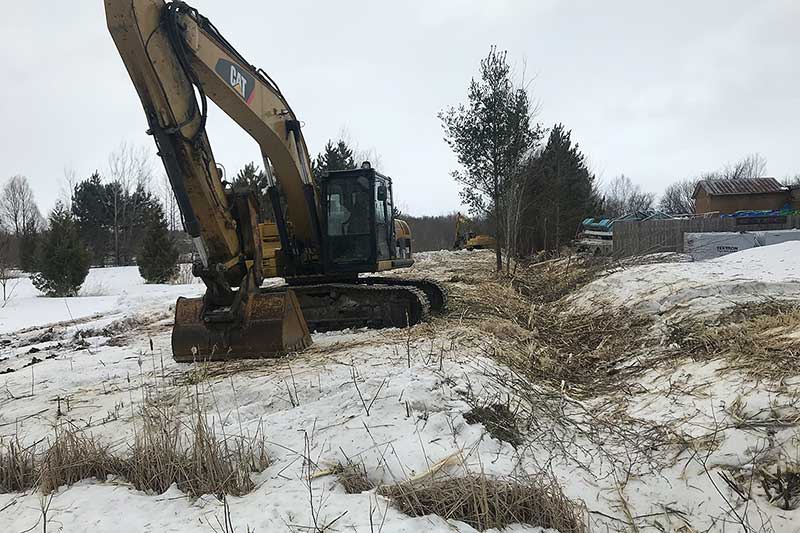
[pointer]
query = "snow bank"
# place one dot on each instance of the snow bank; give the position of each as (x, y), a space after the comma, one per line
(704, 287)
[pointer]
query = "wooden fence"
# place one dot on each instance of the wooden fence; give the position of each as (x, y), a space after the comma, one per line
(650, 236)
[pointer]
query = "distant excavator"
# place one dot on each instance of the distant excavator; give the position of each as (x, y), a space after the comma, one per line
(324, 234)
(467, 238)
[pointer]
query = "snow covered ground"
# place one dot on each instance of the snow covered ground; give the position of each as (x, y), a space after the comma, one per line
(111, 292)
(677, 288)
(395, 400)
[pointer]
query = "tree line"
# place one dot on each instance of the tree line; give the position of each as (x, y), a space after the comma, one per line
(114, 219)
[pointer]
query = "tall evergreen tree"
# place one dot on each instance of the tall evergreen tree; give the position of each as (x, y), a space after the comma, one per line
(29, 242)
(113, 218)
(90, 206)
(63, 260)
(560, 192)
(142, 208)
(158, 256)
(128, 215)
(491, 135)
(337, 156)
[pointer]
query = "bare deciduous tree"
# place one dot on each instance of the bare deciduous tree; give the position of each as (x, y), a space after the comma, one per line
(21, 217)
(17, 206)
(677, 197)
(361, 154)
(513, 202)
(791, 181)
(68, 183)
(7, 271)
(171, 212)
(752, 166)
(130, 168)
(622, 197)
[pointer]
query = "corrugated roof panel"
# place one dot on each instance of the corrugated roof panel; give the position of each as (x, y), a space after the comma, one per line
(741, 186)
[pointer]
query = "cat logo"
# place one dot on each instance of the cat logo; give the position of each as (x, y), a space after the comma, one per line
(237, 78)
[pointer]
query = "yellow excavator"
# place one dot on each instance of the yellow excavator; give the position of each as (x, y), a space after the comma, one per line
(466, 237)
(326, 232)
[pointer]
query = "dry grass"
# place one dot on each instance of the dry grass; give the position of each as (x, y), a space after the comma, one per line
(476, 499)
(550, 281)
(485, 503)
(586, 353)
(72, 457)
(759, 339)
(353, 477)
(782, 485)
(778, 481)
(165, 451)
(193, 457)
(17, 466)
(534, 332)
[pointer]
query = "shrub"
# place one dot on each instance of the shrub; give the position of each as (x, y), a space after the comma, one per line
(62, 261)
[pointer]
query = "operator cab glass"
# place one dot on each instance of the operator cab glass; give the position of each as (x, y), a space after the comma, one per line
(358, 223)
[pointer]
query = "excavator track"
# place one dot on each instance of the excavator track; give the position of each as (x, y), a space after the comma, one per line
(437, 296)
(337, 306)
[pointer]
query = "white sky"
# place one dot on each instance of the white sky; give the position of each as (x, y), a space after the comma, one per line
(658, 91)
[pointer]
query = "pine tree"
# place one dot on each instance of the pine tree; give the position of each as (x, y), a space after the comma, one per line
(90, 205)
(63, 260)
(560, 191)
(252, 177)
(491, 134)
(337, 156)
(158, 256)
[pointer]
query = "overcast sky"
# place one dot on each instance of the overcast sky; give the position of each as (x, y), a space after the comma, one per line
(658, 91)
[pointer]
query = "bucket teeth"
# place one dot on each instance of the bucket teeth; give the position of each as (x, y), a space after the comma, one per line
(271, 325)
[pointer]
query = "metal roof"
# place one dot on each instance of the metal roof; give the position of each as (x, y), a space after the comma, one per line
(739, 186)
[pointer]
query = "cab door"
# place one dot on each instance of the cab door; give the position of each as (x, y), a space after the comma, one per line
(349, 223)
(383, 219)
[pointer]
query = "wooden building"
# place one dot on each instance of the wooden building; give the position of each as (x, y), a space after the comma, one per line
(728, 196)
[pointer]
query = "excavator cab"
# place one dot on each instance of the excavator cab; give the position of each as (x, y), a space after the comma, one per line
(358, 226)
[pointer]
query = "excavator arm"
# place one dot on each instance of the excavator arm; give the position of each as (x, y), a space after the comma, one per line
(177, 62)
(170, 52)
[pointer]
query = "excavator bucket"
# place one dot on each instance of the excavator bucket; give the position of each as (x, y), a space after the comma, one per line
(272, 325)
